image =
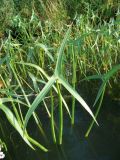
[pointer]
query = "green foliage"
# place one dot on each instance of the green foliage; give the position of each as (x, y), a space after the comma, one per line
(34, 71)
(57, 77)
(6, 13)
(105, 79)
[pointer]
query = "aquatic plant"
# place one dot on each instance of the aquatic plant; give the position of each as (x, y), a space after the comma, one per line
(34, 71)
(105, 78)
(58, 78)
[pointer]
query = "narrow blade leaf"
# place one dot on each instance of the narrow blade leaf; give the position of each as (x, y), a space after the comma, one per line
(39, 98)
(60, 53)
(101, 89)
(4, 100)
(110, 73)
(93, 77)
(14, 123)
(34, 66)
(77, 96)
(45, 48)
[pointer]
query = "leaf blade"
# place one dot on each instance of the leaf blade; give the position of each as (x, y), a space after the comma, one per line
(39, 98)
(60, 53)
(14, 123)
(77, 96)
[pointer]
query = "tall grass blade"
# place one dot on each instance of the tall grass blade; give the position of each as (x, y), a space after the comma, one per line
(52, 117)
(39, 98)
(64, 102)
(46, 76)
(100, 92)
(58, 67)
(73, 85)
(93, 77)
(37, 144)
(34, 66)
(4, 100)
(77, 96)
(14, 123)
(110, 73)
(60, 114)
(105, 78)
(96, 114)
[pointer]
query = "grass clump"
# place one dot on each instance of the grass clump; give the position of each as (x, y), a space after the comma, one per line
(6, 13)
(34, 70)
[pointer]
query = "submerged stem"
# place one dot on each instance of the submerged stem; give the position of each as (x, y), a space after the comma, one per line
(60, 114)
(96, 114)
(73, 84)
(52, 117)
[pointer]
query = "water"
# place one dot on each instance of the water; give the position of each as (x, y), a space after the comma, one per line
(103, 142)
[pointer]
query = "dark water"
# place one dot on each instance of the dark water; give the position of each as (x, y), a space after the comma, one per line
(103, 142)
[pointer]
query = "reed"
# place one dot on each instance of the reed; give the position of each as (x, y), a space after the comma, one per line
(43, 57)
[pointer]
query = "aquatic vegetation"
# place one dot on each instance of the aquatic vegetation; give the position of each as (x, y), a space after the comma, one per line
(46, 51)
(105, 79)
(57, 77)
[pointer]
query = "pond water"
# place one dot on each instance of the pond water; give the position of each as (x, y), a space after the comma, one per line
(103, 142)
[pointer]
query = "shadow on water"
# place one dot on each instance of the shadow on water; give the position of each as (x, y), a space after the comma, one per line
(103, 142)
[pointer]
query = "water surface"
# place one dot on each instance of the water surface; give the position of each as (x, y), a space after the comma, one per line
(103, 142)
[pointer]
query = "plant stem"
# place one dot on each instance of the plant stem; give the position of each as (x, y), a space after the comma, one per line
(52, 117)
(60, 115)
(73, 84)
(96, 114)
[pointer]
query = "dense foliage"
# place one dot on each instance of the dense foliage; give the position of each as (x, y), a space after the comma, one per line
(48, 48)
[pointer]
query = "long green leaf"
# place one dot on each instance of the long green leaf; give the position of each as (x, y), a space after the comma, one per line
(4, 100)
(52, 118)
(45, 74)
(105, 79)
(102, 87)
(60, 53)
(64, 102)
(96, 113)
(110, 73)
(35, 66)
(93, 77)
(14, 123)
(76, 95)
(39, 98)
(37, 144)
(60, 114)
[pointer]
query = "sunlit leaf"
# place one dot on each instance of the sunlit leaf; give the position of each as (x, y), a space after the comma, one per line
(39, 98)
(101, 89)
(76, 95)
(45, 48)
(11, 118)
(110, 73)
(60, 53)
(45, 74)
(4, 100)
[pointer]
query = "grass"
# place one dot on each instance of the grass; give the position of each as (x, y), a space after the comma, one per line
(105, 79)
(44, 56)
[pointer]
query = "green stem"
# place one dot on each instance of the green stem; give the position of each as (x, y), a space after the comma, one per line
(73, 84)
(52, 117)
(13, 105)
(96, 114)
(60, 114)
(24, 94)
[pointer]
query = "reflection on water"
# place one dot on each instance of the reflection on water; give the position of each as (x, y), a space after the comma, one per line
(103, 142)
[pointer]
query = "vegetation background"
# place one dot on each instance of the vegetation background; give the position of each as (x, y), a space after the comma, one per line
(42, 41)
